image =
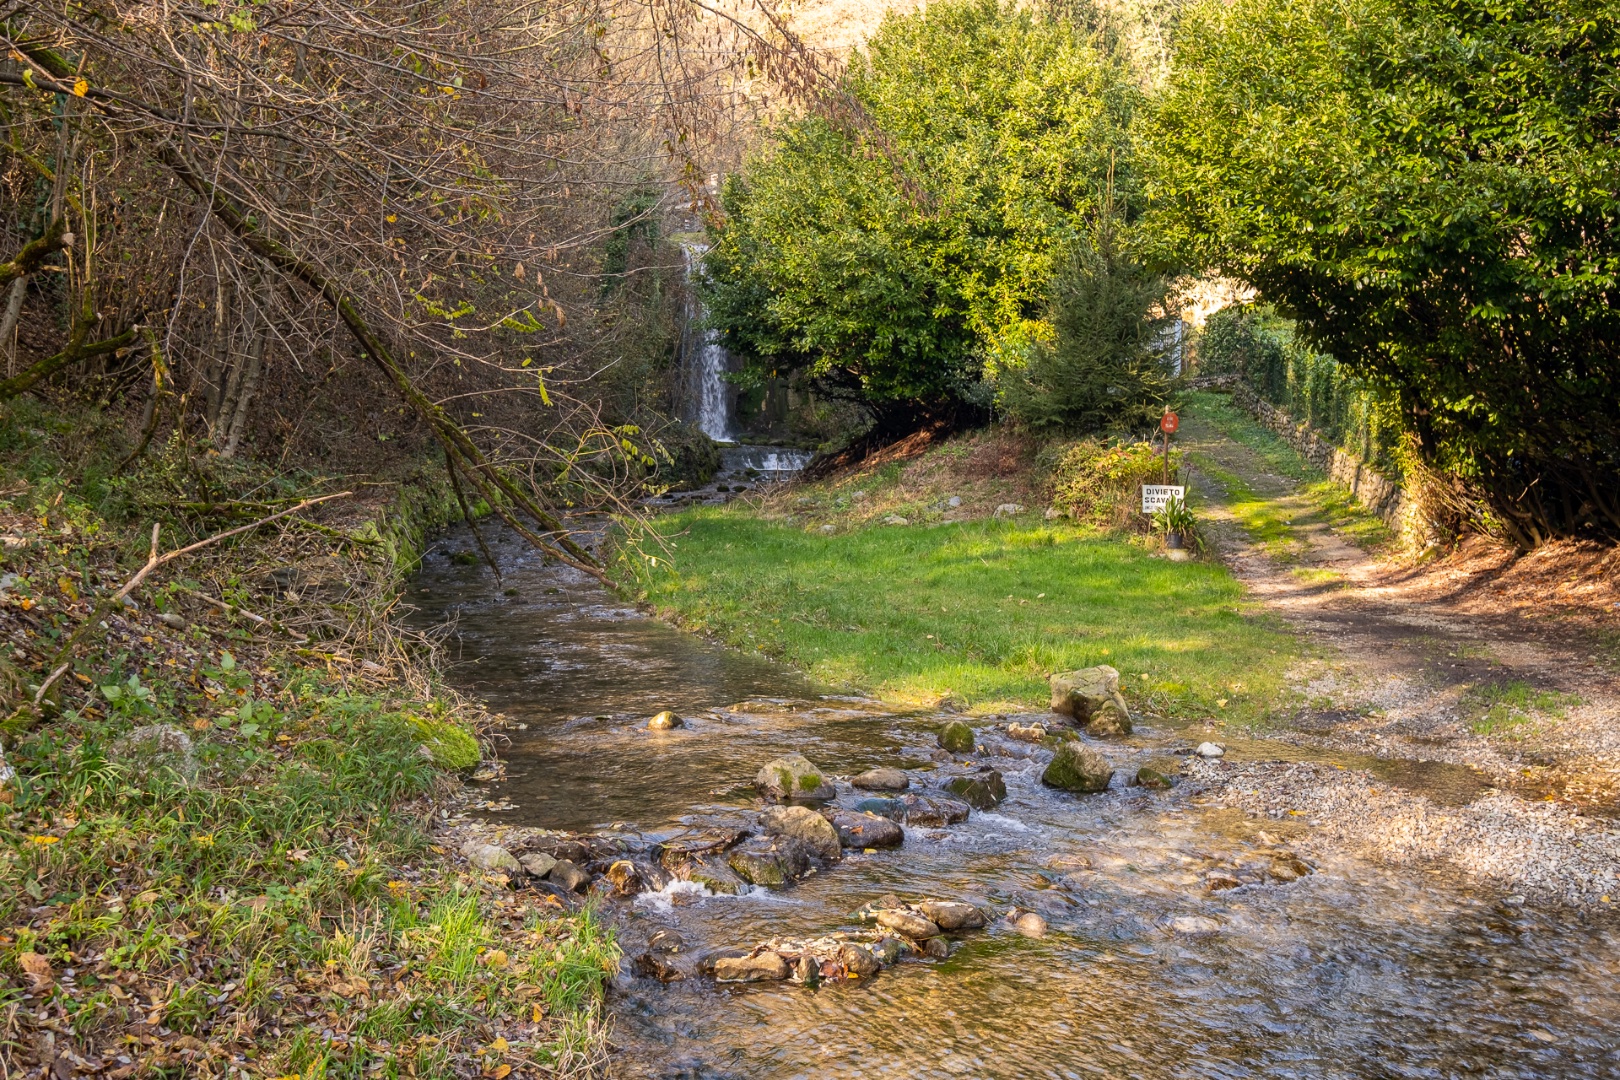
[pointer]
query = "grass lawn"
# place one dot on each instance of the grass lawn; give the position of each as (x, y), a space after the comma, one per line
(978, 611)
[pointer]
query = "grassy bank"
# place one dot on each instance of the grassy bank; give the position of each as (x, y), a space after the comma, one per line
(976, 611)
(219, 852)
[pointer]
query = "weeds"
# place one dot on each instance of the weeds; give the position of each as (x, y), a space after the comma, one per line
(218, 851)
(1496, 709)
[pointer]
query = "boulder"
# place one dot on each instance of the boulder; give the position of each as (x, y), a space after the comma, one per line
(1210, 750)
(893, 809)
(882, 780)
(858, 960)
(537, 863)
(766, 967)
(1076, 768)
(792, 778)
(490, 857)
(155, 746)
(1152, 779)
(760, 862)
(665, 721)
(928, 810)
(860, 830)
(952, 914)
(716, 877)
(956, 737)
(569, 876)
(936, 948)
(907, 925)
(983, 790)
(806, 826)
(1091, 696)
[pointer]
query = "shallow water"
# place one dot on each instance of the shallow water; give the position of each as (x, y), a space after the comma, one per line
(1354, 971)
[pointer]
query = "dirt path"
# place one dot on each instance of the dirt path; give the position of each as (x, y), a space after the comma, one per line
(1419, 675)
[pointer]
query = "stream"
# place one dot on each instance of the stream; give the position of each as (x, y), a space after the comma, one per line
(1352, 971)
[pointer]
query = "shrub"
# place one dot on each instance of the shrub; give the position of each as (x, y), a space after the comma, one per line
(1107, 366)
(1100, 483)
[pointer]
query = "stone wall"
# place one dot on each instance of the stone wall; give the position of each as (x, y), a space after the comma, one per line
(1377, 492)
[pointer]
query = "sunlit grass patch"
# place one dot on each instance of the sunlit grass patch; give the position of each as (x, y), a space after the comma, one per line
(978, 612)
(1498, 708)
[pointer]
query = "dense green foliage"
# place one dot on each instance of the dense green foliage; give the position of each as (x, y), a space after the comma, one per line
(896, 252)
(1429, 187)
(1312, 387)
(1106, 363)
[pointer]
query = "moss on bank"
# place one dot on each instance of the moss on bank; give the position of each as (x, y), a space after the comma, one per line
(218, 847)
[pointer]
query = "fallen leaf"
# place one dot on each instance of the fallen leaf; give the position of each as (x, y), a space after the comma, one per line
(37, 968)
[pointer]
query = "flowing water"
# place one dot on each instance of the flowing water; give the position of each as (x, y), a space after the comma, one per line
(1353, 971)
(708, 397)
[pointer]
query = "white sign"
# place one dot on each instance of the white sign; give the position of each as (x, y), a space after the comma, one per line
(1155, 496)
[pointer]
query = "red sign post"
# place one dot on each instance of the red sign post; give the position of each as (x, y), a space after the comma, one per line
(1168, 423)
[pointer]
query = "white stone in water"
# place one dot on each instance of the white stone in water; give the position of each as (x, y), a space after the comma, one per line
(1210, 750)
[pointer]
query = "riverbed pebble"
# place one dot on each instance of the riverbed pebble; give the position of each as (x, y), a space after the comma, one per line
(1027, 923)
(952, 914)
(765, 967)
(665, 721)
(861, 830)
(907, 924)
(1541, 849)
(881, 779)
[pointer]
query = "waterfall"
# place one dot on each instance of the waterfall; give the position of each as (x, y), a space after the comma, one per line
(704, 360)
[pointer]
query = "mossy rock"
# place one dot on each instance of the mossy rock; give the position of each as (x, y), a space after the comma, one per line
(957, 737)
(1076, 768)
(1152, 779)
(451, 746)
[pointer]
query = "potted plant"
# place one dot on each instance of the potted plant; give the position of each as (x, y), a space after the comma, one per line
(1177, 523)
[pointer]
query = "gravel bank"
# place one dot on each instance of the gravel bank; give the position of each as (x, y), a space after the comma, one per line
(1546, 850)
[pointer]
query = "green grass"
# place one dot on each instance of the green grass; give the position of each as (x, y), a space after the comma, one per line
(1329, 502)
(1268, 523)
(1498, 708)
(977, 612)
